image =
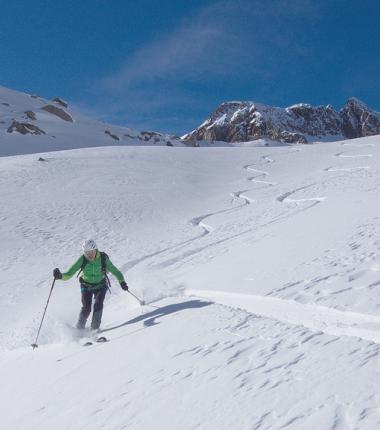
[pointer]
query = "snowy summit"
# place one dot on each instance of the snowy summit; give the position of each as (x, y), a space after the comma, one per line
(299, 123)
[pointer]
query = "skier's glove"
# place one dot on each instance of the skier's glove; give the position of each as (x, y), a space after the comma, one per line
(124, 285)
(57, 274)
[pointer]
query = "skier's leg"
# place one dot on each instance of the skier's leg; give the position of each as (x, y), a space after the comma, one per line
(86, 308)
(98, 307)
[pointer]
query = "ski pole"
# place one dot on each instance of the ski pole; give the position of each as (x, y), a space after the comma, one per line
(142, 302)
(108, 282)
(35, 344)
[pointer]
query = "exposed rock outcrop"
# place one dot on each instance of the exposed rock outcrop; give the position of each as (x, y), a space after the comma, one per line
(155, 138)
(300, 123)
(150, 135)
(114, 136)
(60, 102)
(24, 128)
(359, 120)
(60, 113)
(30, 115)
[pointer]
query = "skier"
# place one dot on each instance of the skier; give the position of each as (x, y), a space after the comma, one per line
(94, 266)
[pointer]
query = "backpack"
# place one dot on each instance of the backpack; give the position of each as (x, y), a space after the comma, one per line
(103, 257)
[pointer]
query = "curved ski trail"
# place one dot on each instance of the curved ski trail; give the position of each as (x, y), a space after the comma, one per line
(259, 174)
(199, 220)
(285, 198)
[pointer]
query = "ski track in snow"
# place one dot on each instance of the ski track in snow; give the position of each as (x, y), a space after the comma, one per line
(346, 169)
(199, 220)
(208, 228)
(260, 173)
(358, 145)
(132, 263)
(350, 156)
(344, 155)
(240, 195)
(314, 317)
(285, 198)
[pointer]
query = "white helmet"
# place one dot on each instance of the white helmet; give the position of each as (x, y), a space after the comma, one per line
(89, 245)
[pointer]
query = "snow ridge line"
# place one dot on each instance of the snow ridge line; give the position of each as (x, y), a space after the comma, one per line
(315, 317)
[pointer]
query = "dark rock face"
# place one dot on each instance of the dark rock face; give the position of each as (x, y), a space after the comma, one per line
(155, 138)
(114, 136)
(148, 135)
(301, 123)
(24, 128)
(58, 112)
(359, 120)
(30, 115)
(60, 101)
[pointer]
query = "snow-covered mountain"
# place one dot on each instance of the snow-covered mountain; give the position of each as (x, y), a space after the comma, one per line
(261, 272)
(300, 123)
(30, 124)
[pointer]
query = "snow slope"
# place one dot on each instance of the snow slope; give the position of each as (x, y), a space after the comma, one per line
(261, 267)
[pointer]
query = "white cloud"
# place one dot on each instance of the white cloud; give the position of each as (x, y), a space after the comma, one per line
(224, 39)
(223, 42)
(199, 45)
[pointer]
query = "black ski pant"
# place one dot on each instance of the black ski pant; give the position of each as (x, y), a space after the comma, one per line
(87, 295)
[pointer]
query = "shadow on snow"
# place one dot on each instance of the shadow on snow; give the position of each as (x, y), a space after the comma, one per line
(150, 318)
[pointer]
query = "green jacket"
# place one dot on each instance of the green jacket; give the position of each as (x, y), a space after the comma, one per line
(92, 272)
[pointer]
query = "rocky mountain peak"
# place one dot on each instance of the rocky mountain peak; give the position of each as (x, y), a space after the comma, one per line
(242, 121)
(359, 120)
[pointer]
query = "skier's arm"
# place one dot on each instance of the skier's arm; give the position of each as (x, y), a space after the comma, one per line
(73, 269)
(114, 270)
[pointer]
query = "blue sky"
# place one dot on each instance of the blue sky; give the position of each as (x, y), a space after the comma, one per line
(165, 65)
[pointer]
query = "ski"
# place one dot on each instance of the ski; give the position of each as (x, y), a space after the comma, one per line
(100, 339)
(87, 343)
